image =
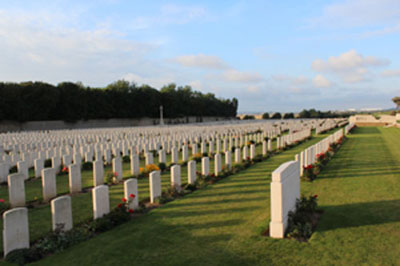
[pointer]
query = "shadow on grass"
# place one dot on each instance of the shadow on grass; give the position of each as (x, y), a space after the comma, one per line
(359, 214)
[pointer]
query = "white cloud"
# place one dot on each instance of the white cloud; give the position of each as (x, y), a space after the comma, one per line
(201, 60)
(350, 66)
(41, 46)
(356, 13)
(391, 73)
(196, 84)
(319, 81)
(253, 89)
(239, 76)
(171, 14)
(295, 81)
(156, 82)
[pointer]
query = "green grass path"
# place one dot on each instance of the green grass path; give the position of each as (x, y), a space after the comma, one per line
(222, 224)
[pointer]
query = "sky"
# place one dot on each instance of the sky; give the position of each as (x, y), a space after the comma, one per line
(271, 55)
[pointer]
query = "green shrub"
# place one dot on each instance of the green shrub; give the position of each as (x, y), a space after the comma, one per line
(86, 166)
(300, 222)
(126, 159)
(47, 163)
(162, 166)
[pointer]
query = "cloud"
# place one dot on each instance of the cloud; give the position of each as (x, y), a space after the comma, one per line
(350, 66)
(156, 82)
(201, 60)
(319, 81)
(357, 13)
(41, 46)
(171, 14)
(391, 73)
(239, 76)
(295, 81)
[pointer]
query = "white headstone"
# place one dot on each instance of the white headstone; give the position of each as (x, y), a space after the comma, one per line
(61, 213)
(285, 190)
(191, 172)
(101, 202)
(15, 230)
(16, 190)
(155, 185)
(98, 173)
(49, 187)
(75, 179)
(131, 188)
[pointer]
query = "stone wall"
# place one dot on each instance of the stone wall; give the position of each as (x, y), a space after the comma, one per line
(8, 126)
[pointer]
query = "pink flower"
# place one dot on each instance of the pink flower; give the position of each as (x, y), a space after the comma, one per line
(1, 200)
(115, 174)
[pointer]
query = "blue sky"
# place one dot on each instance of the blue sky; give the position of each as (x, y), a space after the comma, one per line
(271, 55)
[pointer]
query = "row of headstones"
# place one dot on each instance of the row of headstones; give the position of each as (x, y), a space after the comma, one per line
(326, 125)
(33, 143)
(308, 156)
(285, 185)
(97, 138)
(90, 151)
(16, 184)
(15, 221)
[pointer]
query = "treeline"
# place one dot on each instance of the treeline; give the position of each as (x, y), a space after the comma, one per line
(38, 101)
(312, 113)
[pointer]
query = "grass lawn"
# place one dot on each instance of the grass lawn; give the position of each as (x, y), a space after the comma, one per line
(359, 192)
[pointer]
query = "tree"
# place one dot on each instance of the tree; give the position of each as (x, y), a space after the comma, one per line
(248, 117)
(276, 116)
(288, 116)
(396, 100)
(265, 116)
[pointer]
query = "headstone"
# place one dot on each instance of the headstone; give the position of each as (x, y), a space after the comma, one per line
(101, 202)
(228, 160)
(75, 179)
(61, 213)
(161, 156)
(252, 151)
(217, 164)
(238, 158)
(4, 170)
(205, 166)
(135, 170)
(117, 167)
(174, 155)
(155, 185)
(56, 164)
(15, 230)
(149, 158)
(285, 190)
(23, 169)
(49, 187)
(98, 173)
(131, 188)
(176, 177)
(38, 165)
(191, 172)
(16, 190)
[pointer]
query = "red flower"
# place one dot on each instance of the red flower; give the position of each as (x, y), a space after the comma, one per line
(315, 196)
(132, 196)
(120, 205)
(130, 211)
(123, 200)
(1, 200)
(115, 174)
